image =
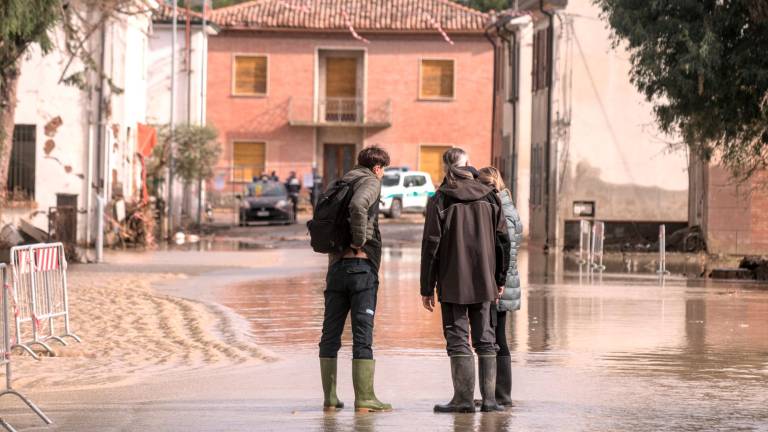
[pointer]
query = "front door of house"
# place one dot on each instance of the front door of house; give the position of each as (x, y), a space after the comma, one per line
(337, 160)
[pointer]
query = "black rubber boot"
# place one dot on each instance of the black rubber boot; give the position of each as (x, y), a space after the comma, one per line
(463, 376)
(504, 381)
(488, 383)
(328, 374)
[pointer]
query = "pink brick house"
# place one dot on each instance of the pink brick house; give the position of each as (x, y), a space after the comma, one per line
(297, 84)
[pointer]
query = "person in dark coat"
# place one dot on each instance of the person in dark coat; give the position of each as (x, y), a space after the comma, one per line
(464, 256)
(510, 298)
(293, 186)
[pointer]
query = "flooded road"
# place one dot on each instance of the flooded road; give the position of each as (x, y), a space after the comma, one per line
(611, 352)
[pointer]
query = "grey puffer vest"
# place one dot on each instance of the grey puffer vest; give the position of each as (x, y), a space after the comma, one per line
(510, 300)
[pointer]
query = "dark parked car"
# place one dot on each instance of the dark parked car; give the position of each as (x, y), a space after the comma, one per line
(266, 201)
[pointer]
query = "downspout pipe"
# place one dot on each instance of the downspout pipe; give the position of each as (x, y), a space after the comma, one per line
(495, 46)
(548, 160)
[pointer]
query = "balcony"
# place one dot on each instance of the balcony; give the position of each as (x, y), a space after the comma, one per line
(340, 112)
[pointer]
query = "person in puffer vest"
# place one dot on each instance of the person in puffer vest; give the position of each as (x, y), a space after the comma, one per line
(510, 298)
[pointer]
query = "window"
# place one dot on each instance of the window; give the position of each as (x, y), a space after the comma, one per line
(437, 79)
(266, 188)
(341, 77)
(513, 70)
(249, 159)
(250, 76)
(390, 180)
(538, 179)
(541, 67)
(415, 181)
(21, 172)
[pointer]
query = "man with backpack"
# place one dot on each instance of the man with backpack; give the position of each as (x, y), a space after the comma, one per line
(346, 226)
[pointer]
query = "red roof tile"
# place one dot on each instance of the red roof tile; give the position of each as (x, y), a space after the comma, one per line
(363, 15)
(164, 13)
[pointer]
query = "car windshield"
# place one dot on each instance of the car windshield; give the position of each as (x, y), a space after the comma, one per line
(390, 180)
(266, 189)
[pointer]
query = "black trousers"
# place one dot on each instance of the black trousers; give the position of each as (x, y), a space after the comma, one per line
(351, 286)
(295, 203)
(501, 333)
(459, 320)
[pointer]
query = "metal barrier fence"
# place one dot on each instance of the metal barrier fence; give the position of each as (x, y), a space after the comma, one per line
(40, 296)
(222, 191)
(597, 245)
(5, 355)
(662, 250)
(585, 248)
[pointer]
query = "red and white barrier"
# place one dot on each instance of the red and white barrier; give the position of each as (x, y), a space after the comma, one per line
(5, 353)
(39, 296)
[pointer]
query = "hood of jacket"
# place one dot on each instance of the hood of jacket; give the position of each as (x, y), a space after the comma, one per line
(466, 189)
(358, 173)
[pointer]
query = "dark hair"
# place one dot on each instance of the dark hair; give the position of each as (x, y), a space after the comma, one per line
(369, 157)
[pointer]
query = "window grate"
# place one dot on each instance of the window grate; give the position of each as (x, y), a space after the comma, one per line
(21, 172)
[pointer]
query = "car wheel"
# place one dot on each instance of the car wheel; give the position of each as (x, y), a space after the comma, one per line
(396, 209)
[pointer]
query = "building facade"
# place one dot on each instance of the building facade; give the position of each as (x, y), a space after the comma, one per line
(577, 140)
(730, 212)
(192, 34)
(74, 146)
(303, 86)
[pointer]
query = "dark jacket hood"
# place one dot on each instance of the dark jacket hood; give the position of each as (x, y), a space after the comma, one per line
(357, 173)
(466, 189)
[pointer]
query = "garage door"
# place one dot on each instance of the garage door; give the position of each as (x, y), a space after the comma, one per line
(249, 159)
(431, 161)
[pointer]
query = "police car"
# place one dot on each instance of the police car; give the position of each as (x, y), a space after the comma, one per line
(404, 190)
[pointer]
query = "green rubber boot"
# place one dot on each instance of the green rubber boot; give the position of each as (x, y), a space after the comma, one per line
(328, 374)
(362, 379)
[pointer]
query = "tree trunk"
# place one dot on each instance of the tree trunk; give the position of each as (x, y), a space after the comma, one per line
(9, 81)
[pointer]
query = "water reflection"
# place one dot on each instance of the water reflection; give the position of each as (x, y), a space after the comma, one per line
(598, 352)
(619, 324)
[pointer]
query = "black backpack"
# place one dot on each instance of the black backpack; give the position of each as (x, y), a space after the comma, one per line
(329, 229)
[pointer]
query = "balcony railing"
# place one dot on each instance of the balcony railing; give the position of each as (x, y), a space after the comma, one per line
(340, 112)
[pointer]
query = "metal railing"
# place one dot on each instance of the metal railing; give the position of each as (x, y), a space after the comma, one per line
(597, 246)
(5, 355)
(591, 244)
(40, 296)
(662, 251)
(585, 248)
(340, 112)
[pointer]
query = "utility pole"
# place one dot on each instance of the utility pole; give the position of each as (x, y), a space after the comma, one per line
(203, 57)
(101, 151)
(172, 121)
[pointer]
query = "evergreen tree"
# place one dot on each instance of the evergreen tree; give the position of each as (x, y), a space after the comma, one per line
(486, 5)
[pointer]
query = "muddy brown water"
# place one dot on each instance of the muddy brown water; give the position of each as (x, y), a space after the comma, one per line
(590, 351)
